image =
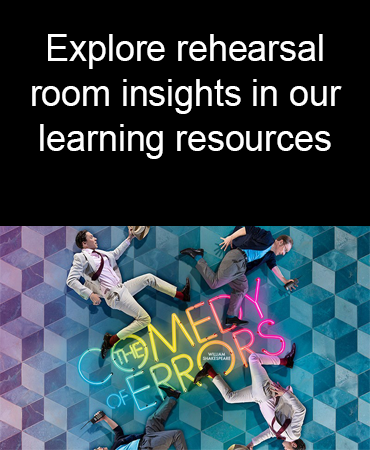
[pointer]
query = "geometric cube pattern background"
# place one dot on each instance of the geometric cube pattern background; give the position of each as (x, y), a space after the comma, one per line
(45, 328)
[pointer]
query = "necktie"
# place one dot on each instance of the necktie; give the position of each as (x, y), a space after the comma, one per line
(281, 430)
(98, 272)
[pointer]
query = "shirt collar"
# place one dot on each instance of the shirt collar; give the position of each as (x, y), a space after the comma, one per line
(88, 250)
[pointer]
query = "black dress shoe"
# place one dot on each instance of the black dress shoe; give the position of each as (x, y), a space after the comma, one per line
(106, 345)
(169, 391)
(290, 357)
(202, 373)
(235, 321)
(186, 291)
(193, 252)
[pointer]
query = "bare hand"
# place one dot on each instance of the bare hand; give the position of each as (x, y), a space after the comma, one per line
(277, 388)
(226, 242)
(95, 299)
(130, 234)
(250, 445)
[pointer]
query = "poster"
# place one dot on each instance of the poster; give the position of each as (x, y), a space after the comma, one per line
(53, 379)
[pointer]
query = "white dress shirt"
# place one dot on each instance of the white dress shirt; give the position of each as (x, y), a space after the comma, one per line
(293, 409)
(108, 278)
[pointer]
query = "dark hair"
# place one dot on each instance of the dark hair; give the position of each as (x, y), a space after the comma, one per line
(286, 239)
(300, 444)
(80, 238)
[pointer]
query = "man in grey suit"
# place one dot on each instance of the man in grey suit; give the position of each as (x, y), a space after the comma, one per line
(103, 280)
(250, 247)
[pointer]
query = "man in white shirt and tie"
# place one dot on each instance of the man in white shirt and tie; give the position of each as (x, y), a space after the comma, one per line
(281, 409)
(103, 279)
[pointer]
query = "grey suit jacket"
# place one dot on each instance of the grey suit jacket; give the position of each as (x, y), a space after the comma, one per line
(84, 267)
(288, 407)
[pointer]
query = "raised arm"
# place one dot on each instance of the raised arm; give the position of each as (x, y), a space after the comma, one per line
(117, 253)
(114, 425)
(278, 274)
(110, 422)
(267, 434)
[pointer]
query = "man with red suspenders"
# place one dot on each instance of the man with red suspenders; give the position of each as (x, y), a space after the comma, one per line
(280, 407)
(103, 279)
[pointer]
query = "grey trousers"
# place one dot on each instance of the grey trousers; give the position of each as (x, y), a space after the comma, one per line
(155, 435)
(232, 272)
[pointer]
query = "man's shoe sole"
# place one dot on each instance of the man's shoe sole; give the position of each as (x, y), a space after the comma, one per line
(173, 392)
(290, 359)
(186, 291)
(192, 252)
(105, 346)
(202, 373)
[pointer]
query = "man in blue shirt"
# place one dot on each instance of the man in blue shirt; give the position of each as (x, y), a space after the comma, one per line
(250, 247)
(155, 436)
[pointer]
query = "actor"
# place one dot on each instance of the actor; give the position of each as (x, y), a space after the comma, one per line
(281, 409)
(103, 279)
(250, 247)
(155, 436)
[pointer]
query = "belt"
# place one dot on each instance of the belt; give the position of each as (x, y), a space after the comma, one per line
(243, 253)
(106, 291)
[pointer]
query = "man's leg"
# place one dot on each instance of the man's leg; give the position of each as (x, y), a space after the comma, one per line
(155, 435)
(257, 392)
(241, 396)
(260, 378)
(162, 440)
(157, 420)
(232, 272)
(230, 396)
(239, 289)
(231, 267)
(139, 283)
(125, 302)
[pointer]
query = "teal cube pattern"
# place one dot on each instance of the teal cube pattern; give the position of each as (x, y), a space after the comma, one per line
(356, 436)
(45, 327)
(335, 408)
(313, 374)
(335, 339)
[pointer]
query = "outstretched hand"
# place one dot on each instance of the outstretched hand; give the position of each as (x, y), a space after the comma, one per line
(130, 233)
(226, 242)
